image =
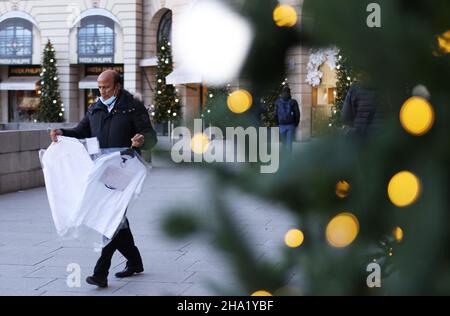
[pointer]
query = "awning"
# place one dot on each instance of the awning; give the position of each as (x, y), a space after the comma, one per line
(89, 82)
(182, 76)
(19, 83)
(149, 62)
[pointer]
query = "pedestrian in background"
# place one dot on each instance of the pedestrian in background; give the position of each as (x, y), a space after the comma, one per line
(287, 116)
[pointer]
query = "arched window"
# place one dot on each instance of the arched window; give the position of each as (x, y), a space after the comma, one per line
(16, 38)
(165, 27)
(96, 40)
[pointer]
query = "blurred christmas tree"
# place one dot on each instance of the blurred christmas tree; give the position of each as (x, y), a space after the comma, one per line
(380, 202)
(167, 102)
(345, 79)
(215, 102)
(50, 107)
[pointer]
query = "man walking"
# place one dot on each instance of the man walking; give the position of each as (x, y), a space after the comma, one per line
(118, 120)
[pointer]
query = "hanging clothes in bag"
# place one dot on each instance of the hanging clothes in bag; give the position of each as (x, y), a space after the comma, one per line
(87, 193)
(110, 186)
(66, 167)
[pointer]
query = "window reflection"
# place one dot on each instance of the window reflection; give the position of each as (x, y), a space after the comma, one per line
(96, 37)
(16, 38)
(165, 27)
(23, 106)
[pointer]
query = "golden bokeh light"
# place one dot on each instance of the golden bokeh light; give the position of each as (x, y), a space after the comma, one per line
(398, 234)
(342, 230)
(239, 101)
(199, 143)
(342, 189)
(404, 189)
(444, 42)
(262, 293)
(417, 116)
(285, 15)
(294, 238)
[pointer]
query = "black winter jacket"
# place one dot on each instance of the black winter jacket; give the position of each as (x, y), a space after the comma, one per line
(362, 111)
(116, 129)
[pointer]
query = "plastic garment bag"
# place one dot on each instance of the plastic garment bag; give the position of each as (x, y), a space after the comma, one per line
(89, 194)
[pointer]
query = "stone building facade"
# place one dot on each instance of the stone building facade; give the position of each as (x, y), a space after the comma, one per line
(91, 35)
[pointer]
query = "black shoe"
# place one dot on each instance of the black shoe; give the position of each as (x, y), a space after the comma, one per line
(95, 281)
(129, 271)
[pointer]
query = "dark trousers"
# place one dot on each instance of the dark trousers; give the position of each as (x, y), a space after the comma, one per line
(124, 242)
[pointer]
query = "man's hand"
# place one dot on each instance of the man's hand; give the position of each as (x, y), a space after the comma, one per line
(137, 140)
(54, 134)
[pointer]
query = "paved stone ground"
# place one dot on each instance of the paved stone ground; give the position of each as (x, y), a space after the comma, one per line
(33, 259)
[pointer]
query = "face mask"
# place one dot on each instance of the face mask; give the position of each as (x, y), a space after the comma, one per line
(109, 101)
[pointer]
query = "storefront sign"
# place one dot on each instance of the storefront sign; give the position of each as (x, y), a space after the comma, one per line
(96, 60)
(95, 70)
(15, 61)
(24, 71)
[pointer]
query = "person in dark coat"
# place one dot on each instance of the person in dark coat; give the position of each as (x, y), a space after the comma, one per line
(118, 120)
(287, 116)
(362, 111)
